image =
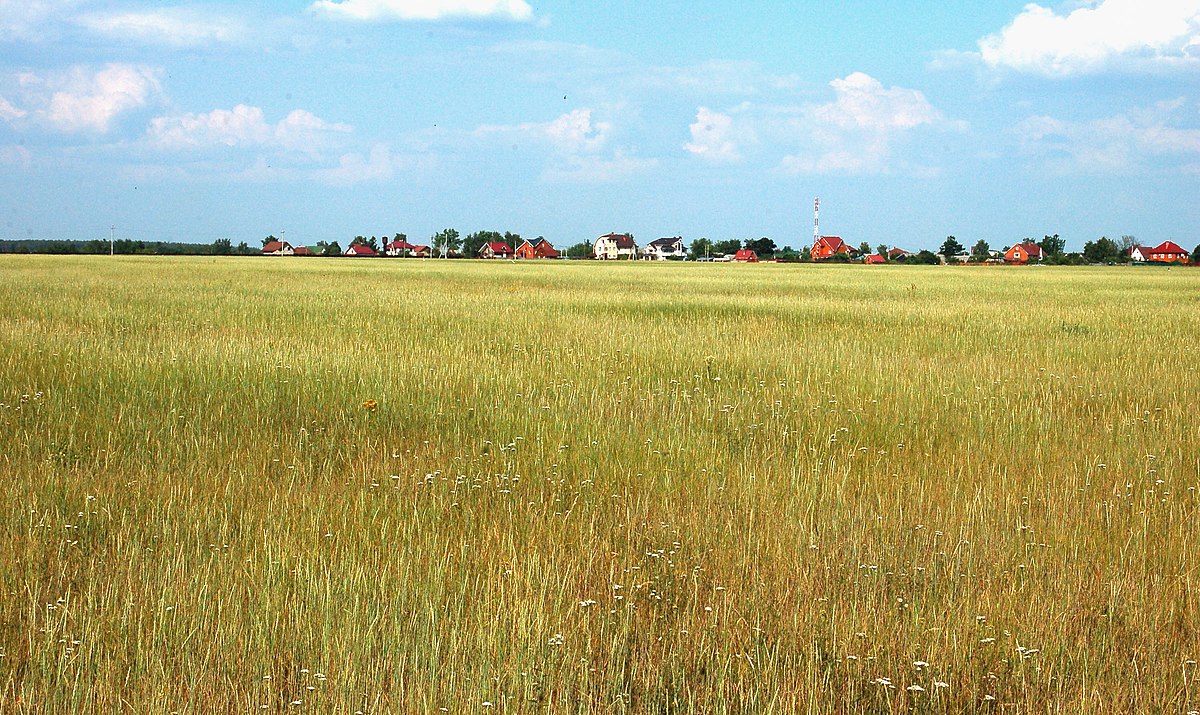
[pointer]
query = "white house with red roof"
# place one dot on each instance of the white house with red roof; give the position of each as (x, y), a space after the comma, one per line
(613, 246)
(399, 247)
(495, 249)
(278, 248)
(360, 250)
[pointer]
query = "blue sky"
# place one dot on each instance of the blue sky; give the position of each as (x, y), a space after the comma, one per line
(326, 119)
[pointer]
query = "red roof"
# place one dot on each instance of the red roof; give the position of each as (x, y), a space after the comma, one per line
(303, 251)
(1167, 247)
(745, 255)
(897, 252)
(498, 247)
(874, 258)
(834, 243)
(272, 247)
(359, 249)
(400, 245)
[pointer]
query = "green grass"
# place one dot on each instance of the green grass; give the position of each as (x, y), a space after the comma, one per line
(596, 488)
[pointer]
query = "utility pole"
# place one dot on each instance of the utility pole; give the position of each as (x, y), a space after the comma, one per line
(112, 230)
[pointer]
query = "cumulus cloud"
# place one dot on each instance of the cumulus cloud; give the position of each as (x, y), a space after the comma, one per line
(578, 145)
(376, 10)
(1120, 143)
(83, 99)
(713, 137)
(858, 131)
(180, 27)
(243, 126)
(1127, 33)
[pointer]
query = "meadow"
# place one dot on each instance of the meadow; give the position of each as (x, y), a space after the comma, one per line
(343, 486)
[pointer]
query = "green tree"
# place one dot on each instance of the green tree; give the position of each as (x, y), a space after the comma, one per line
(1102, 250)
(981, 251)
(762, 246)
(445, 241)
(726, 248)
(924, 258)
(472, 243)
(806, 254)
(1053, 245)
(268, 239)
(882, 250)
(372, 242)
(583, 249)
(222, 247)
(1196, 254)
(514, 240)
(332, 249)
(700, 248)
(864, 248)
(951, 248)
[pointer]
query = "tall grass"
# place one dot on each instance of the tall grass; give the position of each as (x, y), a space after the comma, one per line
(402, 486)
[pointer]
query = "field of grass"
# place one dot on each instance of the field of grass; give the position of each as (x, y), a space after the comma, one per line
(246, 485)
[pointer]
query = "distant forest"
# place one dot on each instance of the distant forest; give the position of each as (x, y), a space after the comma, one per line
(127, 247)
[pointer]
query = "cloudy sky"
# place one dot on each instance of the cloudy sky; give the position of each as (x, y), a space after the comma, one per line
(912, 120)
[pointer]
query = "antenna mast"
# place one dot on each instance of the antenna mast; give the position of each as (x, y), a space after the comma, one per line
(816, 220)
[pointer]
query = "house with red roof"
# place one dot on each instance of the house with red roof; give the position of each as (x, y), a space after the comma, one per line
(495, 249)
(827, 246)
(359, 249)
(537, 248)
(278, 248)
(745, 255)
(1166, 252)
(420, 252)
(399, 247)
(1023, 252)
(874, 259)
(304, 251)
(897, 254)
(613, 246)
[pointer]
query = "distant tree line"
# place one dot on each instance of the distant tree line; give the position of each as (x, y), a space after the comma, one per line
(127, 247)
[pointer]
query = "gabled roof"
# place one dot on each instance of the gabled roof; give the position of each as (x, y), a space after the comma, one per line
(498, 247)
(874, 258)
(833, 243)
(303, 251)
(745, 254)
(400, 245)
(1029, 247)
(621, 239)
(359, 249)
(1168, 247)
(897, 252)
(666, 242)
(274, 246)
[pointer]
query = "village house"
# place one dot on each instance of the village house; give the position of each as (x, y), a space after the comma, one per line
(874, 259)
(828, 246)
(897, 254)
(361, 250)
(1165, 252)
(303, 251)
(613, 246)
(399, 247)
(1023, 253)
(664, 248)
(420, 252)
(745, 255)
(495, 249)
(278, 248)
(537, 248)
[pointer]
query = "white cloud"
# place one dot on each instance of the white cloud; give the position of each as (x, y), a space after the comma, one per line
(181, 27)
(858, 131)
(27, 19)
(713, 137)
(1130, 33)
(8, 112)
(1120, 143)
(570, 133)
(87, 100)
(243, 126)
(372, 10)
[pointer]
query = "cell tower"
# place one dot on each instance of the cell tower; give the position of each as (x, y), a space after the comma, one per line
(816, 220)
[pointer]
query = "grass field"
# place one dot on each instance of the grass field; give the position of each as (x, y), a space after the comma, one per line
(239, 485)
